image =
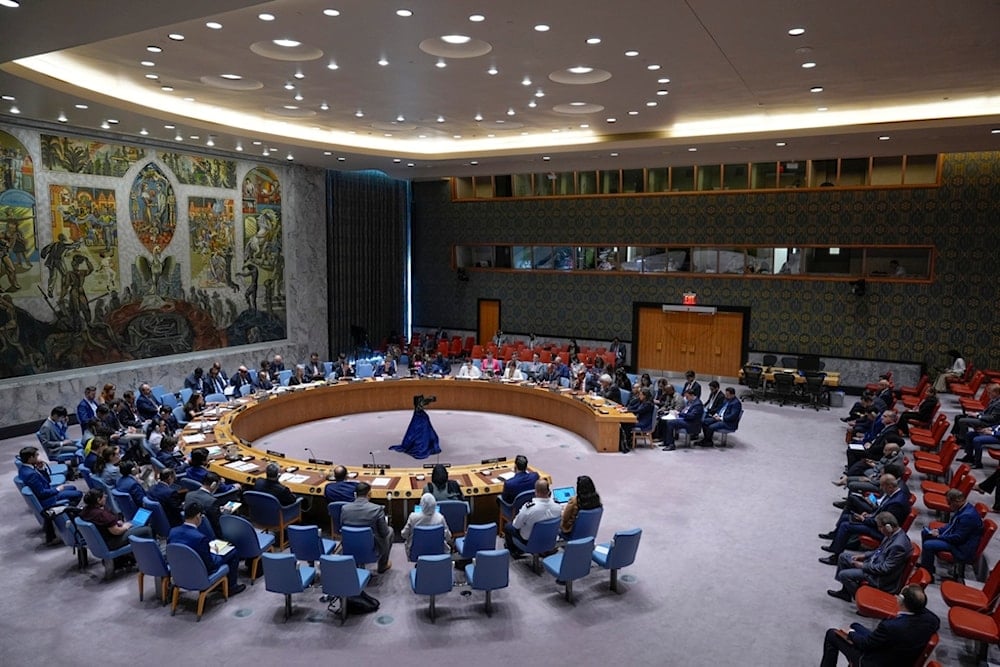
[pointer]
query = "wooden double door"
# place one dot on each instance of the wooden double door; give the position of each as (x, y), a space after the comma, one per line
(709, 344)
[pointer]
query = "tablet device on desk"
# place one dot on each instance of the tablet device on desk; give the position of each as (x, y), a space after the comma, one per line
(563, 494)
(221, 547)
(141, 517)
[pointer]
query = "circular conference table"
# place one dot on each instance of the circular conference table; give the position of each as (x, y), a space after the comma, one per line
(229, 430)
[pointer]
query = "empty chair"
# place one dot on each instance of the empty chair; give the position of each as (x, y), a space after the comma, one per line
(169, 400)
(618, 553)
(784, 386)
(364, 369)
(489, 572)
(97, 546)
(284, 377)
(149, 559)
(125, 503)
(426, 541)
(216, 398)
(359, 541)
(816, 391)
(769, 359)
(479, 537)
(432, 576)
(188, 572)
(753, 378)
(71, 537)
(983, 600)
(587, 524)
(455, 513)
(157, 391)
(284, 575)
(334, 509)
(267, 513)
(250, 543)
(542, 540)
(790, 362)
(246, 389)
(341, 578)
(570, 564)
(307, 544)
(186, 394)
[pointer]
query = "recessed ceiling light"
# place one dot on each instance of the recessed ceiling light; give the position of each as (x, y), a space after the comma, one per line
(456, 39)
(808, 65)
(231, 77)
(584, 125)
(692, 150)
(632, 53)
(822, 108)
(62, 118)
(546, 158)
(593, 40)
(440, 64)
(265, 17)
(213, 25)
(210, 141)
(541, 27)
(152, 48)
(290, 107)
(341, 159)
(816, 89)
(387, 134)
(614, 154)
(289, 157)
(333, 65)
(662, 92)
(400, 118)
(396, 160)
(359, 113)
(299, 75)
(78, 106)
(795, 32)
(104, 125)
(144, 132)
(194, 137)
(492, 71)
(239, 147)
(405, 13)
(473, 162)
(532, 104)
(266, 153)
(490, 136)
(298, 97)
(779, 144)
(286, 43)
(539, 93)
(153, 77)
(456, 136)
(113, 121)
(167, 89)
(440, 119)
(169, 127)
(147, 63)
(188, 99)
(884, 137)
(581, 69)
(526, 81)
(10, 3)
(633, 113)
(11, 98)
(477, 18)
(176, 36)
(663, 80)
(995, 130)
(410, 164)
(383, 61)
(652, 68)
(324, 106)
(651, 104)
(511, 112)
(478, 117)
(331, 12)
(289, 85)
(611, 120)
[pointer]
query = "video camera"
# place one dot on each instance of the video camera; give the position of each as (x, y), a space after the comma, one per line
(420, 401)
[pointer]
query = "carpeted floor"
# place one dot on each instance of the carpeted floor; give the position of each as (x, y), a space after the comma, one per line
(726, 574)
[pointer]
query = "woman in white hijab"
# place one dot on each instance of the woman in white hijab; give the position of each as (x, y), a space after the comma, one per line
(426, 515)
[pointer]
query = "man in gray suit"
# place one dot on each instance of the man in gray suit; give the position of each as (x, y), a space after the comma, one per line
(881, 568)
(367, 514)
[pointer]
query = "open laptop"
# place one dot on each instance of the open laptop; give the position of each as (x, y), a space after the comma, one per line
(142, 516)
(563, 494)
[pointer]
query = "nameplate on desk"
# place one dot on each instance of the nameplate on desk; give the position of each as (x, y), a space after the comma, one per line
(280, 455)
(321, 462)
(432, 465)
(373, 466)
(497, 459)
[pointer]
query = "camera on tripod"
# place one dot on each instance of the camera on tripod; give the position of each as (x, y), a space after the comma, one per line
(420, 401)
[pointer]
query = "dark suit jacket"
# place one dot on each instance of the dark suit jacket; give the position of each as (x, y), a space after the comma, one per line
(963, 533)
(340, 491)
(895, 642)
(613, 394)
(694, 386)
(188, 535)
(884, 566)
(734, 410)
(714, 402)
(522, 481)
(275, 488)
(693, 412)
(926, 408)
(170, 500)
(146, 407)
(644, 413)
(209, 504)
(897, 503)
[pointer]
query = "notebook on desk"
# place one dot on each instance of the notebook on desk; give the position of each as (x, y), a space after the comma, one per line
(141, 517)
(563, 494)
(221, 547)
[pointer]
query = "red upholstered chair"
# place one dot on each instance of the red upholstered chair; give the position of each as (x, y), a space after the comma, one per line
(880, 604)
(937, 502)
(477, 352)
(470, 342)
(455, 349)
(917, 389)
(977, 404)
(930, 486)
(977, 626)
(928, 439)
(874, 387)
(926, 653)
(989, 527)
(911, 401)
(983, 599)
(941, 465)
(968, 390)
(868, 542)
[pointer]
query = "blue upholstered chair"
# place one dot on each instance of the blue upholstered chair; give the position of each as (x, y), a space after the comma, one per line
(489, 572)
(35, 505)
(724, 431)
(250, 543)
(618, 553)
(327, 369)
(587, 524)
(307, 544)
(334, 509)
(157, 391)
(246, 389)
(268, 514)
(57, 471)
(112, 503)
(570, 564)
(97, 546)
(284, 377)
(507, 511)
(479, 537)
(169, 400)
(180, 415)
(543, 540)
(364, 369)
(188, 483)
(341, 578)
(455, 513)
(216, 398)
(432, 576)
(149, 559)
(283, 574)
(125, 503)
(71, 537)
(189, 573)
(359, 541)
(426, 541)
(158, 521)
(186, 394)
(626, 396)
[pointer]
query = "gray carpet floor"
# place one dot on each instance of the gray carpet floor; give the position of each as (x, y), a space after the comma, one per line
(726, 573)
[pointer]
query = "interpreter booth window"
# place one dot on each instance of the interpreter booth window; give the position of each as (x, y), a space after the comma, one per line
(610, 184)
(657, 180)
(502, 256)
(475, 256)
(565, 183)
(588, 182)
(644, 259)
(759, 260)
(522, 185)
(503, 185)
(521, 257)
(710, 177)
(607, 259)
(735, 177)
(544, 183)
(764, 175)
(833, 261)
(484, 187)
(704, 260)
(788, 260)
(853, 171)
(632, 180)
(899, 263)
(887, 170)
(792, 174)
(682, 179)
(464, 187)
(586, 258)
(823, 174)
(921, 169)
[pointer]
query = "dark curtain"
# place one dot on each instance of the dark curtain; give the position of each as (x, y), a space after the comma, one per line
(367, 222)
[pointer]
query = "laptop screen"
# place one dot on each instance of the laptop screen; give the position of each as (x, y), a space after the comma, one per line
(563, 494)
(141, 517)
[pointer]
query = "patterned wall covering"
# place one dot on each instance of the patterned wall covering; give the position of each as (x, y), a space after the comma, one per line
(905, 322)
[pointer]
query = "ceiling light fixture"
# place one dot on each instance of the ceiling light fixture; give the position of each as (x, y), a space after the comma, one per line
(651, 104)
(546, 158)
(478, 117)
(324, 106)
(289, 85)
(62, 117)
(633, 113)
(493, 71)
(286, 43)
(10, 3)
(113, 121)
(331, 12)
(614, 154)
(231, 77)
(692, 150)
(104, 126)
(532, 104)
(147, 63)
(539, 93)
(152, 48)
(593, 40)
(400, 118)
(210, 141)
(176, 36)
(169, 127)
(473, 162)
(632, 53)
(440, 64)
(456, 39)
(298, 97)
(78, 106)
(663, 80)
(383, 61)
(359, 113)
(341, 159)
(662, 92)
(541, 27)
(167, 89)
(995, 130)
(526, 81)
(239, 147)
(396, 160)
(611, 120)
(144, 132)
(440, 119)
(299, 75)
(477, 18)
(152, 77)
(404, 13)
(795, 32)
(581, 69)
(265, 17)
(652, 68)
(780, 144)
(884, 137)
(511, 112)
(816, 89)
(213, 25)
(808, 65)
(333, 65)
(289, 157)
(822, 108)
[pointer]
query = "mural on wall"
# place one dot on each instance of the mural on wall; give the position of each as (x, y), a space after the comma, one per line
(263, 269)
(18, 252)
(198, 170)
(79, 290)
(83, 156)
(211, 223)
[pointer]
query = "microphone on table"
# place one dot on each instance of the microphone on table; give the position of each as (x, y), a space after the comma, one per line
(312, 454)
(372, 454)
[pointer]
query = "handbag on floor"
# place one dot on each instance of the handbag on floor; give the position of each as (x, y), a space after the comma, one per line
(362, 604)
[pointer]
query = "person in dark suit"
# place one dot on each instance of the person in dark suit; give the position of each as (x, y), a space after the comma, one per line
(895, 501)
(714, 401)
(520, 482)
(340, 489)
(271, 485)
(875, 440)
(609, 390)
(645, 413)
(146, 404)
(895, 642)
(691, 383)
(923, 413)
(988, 417)
(189, 534)
(366, 514)
(205, 497)
(960, 536)
(688, 419)
(170, 496)
(725, 418)
(34, 473)
(196, 381)
(881, 568)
